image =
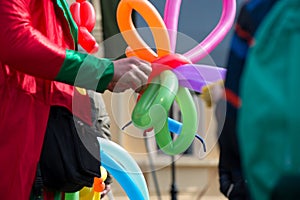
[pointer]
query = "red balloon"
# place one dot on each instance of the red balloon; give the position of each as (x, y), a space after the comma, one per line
(167, 62)
(75, 11)
(87, 15)
(95, 48)
(86, 40)
(84, 16)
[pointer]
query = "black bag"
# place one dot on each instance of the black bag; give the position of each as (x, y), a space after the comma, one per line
(70, 157)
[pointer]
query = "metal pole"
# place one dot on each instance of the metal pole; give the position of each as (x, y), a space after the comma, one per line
(173, 190)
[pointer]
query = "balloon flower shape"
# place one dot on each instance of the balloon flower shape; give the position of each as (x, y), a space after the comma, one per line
(173, 74)
(84, 16)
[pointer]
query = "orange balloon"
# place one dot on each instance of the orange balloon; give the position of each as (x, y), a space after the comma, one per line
(99, 185)
(154, 21)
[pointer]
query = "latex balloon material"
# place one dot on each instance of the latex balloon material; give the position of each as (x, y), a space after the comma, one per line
(171, 14)
(194, 76)
(72, 196)
(93, 193)
(167, 62)
(99, 184)
(84, 16)
(189, 127)
(159, 29)
(124, 169)
(87, 15)
(130, 34)
(176, 127)
(87, 41)
(86, 193)
(123, 178)
(152, 111)
(217, 35)
(75, 11)
(153, 106)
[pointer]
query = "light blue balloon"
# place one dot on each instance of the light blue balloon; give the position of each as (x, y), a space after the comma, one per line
(118, 172)
(128, 165)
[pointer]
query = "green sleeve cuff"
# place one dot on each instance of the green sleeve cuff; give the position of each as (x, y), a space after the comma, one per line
(86, 71)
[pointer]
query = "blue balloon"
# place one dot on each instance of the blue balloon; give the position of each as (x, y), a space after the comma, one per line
(118, 172)
(127, 162)
(175, 127)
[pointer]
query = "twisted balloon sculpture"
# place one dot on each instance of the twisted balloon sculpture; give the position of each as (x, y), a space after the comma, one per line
(84, 16)
(151, 111)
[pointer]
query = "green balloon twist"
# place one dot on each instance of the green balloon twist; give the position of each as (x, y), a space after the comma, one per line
(151, 111)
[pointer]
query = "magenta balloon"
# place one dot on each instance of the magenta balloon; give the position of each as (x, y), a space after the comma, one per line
(171, 15)
(194, 77)
(217, 35)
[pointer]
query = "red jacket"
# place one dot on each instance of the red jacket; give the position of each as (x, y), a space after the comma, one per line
(36, 38)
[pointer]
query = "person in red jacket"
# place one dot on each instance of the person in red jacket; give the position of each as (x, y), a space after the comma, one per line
(39, 65)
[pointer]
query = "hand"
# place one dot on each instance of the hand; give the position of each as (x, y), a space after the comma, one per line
(130, 73)
(105, 191)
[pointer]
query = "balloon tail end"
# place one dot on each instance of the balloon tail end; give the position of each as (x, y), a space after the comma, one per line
(126, 125)
(202, 141)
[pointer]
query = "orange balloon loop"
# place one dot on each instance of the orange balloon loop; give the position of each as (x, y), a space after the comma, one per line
(155, 22)
(129, 52)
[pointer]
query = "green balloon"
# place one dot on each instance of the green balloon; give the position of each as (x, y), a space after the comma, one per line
(72, 196)
(189, 126)
(151, 111)
(155, 103)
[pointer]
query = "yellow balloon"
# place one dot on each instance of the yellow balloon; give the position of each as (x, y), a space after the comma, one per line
(103, 173)
(88, 193)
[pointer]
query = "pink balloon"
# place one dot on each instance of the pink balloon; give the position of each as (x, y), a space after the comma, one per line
(217, 35)
(171, 15)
